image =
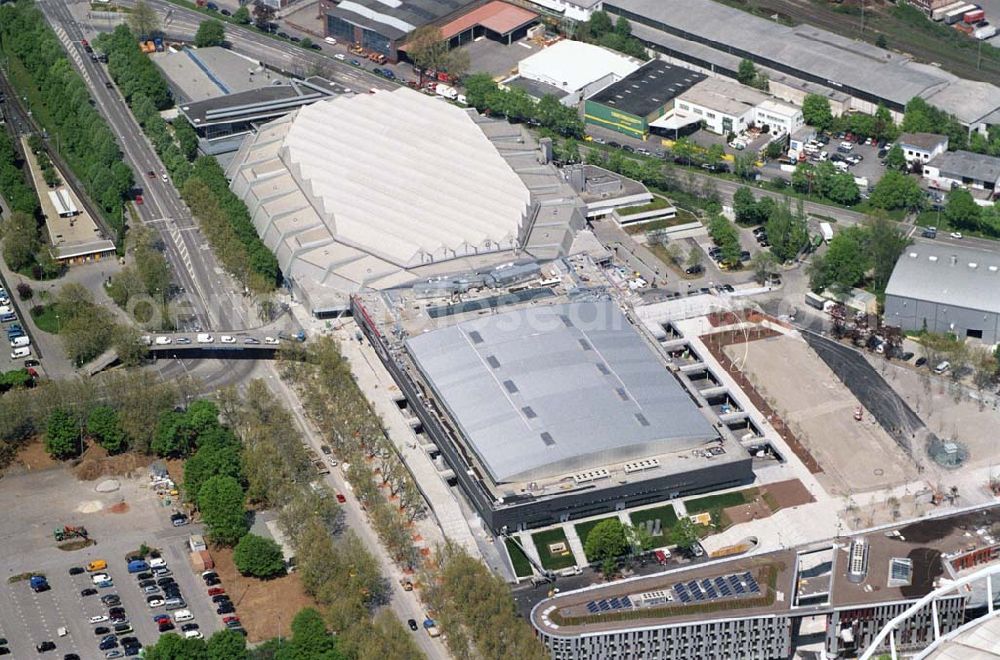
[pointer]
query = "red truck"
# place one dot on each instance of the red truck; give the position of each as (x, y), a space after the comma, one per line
(974, 17)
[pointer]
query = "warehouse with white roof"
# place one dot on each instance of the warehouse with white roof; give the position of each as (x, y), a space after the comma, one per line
(377, 190)
(575, 68)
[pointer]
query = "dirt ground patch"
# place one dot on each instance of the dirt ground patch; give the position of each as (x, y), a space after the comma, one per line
(742, 513)
(786, 494)
(34, 457)
(857, 456)
(265, 607)
(96, 463)
(716, 344)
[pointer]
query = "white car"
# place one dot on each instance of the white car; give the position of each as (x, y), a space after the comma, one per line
(339, 56)
(100, 618)
(332, 42)
(157, 562)
(163, 175)
(270, 340)
(6, 309)
(193, 634)
(181, 616)
(155, 602)
(956, 234)
(227, 339)
(162, 341)
(100, 577)
(205, 338)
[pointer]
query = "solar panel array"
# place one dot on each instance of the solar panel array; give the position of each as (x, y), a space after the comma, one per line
(694, 591)
(726, 586)
(609, 604)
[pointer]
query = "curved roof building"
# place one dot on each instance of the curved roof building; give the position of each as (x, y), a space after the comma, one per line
(552, 390)
(370, 190)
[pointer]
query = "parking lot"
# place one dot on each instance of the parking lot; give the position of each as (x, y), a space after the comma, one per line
(120, 522)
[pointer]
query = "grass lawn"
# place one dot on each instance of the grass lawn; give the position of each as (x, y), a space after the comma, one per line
(666, 514)
(722, 501)
(583, 529)
(550, 561)
(45, 318)
(522, 567)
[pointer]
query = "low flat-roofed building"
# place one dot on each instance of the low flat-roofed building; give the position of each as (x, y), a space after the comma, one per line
(199, 74)
(947, 289)
(604, 191)
(564, 410)
(922, 147)
(576, 10)
(577, 68)
(729, 107)
(631, 104)
(964, 168)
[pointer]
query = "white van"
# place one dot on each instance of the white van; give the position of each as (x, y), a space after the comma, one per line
(331, 41)
(942, 367)
(205, 338)
(21, 352)
(183, 615)
(23, 340)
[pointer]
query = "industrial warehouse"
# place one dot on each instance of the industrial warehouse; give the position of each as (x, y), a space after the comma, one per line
(466, 192)
(552, 412)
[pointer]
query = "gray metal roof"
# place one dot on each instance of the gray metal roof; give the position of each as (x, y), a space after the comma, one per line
(551, 390)
(948, 274)
(965, 164)
(831, 57)
(922, 141)
(394, 19)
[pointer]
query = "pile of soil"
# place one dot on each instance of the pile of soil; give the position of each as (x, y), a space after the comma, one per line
(97, 464)
(33, 456)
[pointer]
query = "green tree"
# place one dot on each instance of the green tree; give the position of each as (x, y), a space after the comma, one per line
(143, 20)
(242, 16)
(427, 47)
(63, 435)
(886, 242)
(747, 72)
(894, 159)
(211, 459)
(684, 149)
(310, 638)
(684, 534)
(104, 426)
(606, 541)
(227, 644)
(745, 165)
(262, 15)
(816, 111)
(787, 232)
(172, 646)
(20, 241)
(258, 556)
(961, 210)
(896, 190)
(745, 207)
(881, 41)
(764, 265)
(599, 24)
(210, 32)
(844, 264)
(220, 501)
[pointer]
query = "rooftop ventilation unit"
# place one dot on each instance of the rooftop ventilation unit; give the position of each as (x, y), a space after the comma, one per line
(639, 466)
(591, 475)
(857, 563)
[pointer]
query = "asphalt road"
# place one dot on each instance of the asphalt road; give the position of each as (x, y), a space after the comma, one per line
(205, 289)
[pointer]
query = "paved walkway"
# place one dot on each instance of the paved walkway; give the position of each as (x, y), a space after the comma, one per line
(575, 544)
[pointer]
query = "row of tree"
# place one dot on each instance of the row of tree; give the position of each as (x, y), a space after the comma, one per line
(817, 112)
(14, 378)
(13, 181)
(727, 238)
(599, 29)
(787, 231)
(475, 608)
(142, 287)
(859, 254)
(514, 104)
(962, 212)
(221, 214)
(825, 180)
(61, 102)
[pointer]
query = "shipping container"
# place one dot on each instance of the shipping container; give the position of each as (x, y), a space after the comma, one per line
(974, 17)
(941, 12)
(955, 15)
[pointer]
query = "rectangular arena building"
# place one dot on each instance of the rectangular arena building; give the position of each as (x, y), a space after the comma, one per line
(563, 411)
